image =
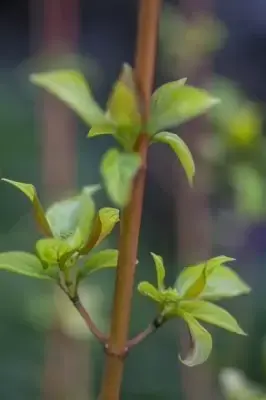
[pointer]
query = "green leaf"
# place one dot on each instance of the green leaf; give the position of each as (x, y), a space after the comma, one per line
(98, 130)
(103, 225)
(123, 103)
(52, 251)
(160, 270)
(63, 217)
(104, 259)
(192, 280)
(162, 96)
(181, 150)
(86, 213)
(118, 171)
(212, 314)
(223, 282)
(148, 290)
(72, 219)
(25, 264)
(178, 104)
(71, 87)
(201, 342)
(39, 215)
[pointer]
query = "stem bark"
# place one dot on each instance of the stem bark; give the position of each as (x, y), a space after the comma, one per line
(149, 11)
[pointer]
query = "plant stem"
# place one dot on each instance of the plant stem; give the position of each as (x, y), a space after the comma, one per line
(102, 338)
(131, 217)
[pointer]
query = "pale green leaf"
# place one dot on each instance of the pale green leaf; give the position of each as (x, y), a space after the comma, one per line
(118, 171)
(212, 314)
(86, 213)
(192, 280)
(178, 104)
(98, 130)
(181, 150)
(72, 219)
(103, 225)
(160, 270)
(104, 259)
(123, 103)
(201, 342)
(223, 282)
(71, 87)
(30, 191)
(52, 251)
(162, 96)
(63, 217)
(25, 264)
(148, 290)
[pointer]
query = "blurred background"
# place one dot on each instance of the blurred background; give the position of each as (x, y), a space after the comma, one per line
(45, 349)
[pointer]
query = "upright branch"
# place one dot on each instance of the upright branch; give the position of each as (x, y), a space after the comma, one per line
(131, 216)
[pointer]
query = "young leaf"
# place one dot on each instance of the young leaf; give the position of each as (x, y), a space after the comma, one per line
(98, 130)
(178, 105)
(212, 314)
(25, 264)
(181, 150)
(123, 103)
(51, 251)
(162, 97)
(30, 191)
(160, 270)
(201, 342)
(104, 259)
(63, 217)
(86, 213)
(72, 218)
(103, 225)
(148, 290)
(118, 171)
(71, 87)
(192, 280)
(223, 282)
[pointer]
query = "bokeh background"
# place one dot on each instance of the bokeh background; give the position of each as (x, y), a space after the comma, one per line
(45, 350)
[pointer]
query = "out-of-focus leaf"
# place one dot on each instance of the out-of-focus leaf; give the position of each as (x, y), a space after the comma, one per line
(118, 171)
(181, 150)
(212, 314)
(148, 290)
(249, 191)
(178, 104)
(25, 264)
(30, 191)
(70, 86)
(104, 259)
(201, 342)
(192, 279)
(160, 270)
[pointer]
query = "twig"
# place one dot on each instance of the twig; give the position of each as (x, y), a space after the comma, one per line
(131, 217)
(152, 328)
(101, 337)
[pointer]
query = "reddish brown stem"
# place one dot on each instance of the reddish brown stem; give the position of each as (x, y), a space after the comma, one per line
(131, 217)
(141, 336)
(102, 338)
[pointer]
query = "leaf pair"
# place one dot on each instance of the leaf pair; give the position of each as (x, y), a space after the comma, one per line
(73, 229)
(196, 284)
